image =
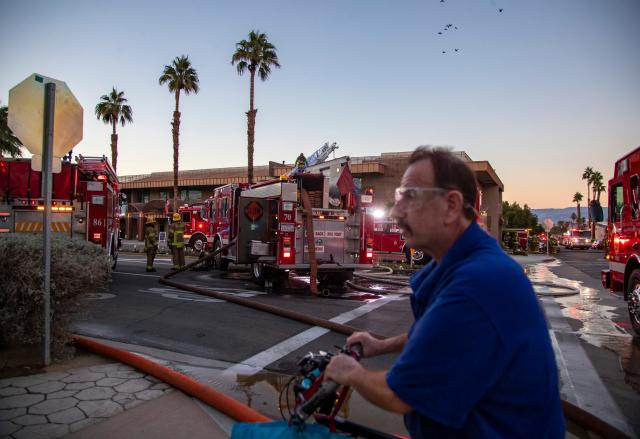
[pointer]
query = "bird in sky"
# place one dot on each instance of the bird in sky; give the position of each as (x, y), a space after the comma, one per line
(439, 33)
(455, 50)
(500, 10)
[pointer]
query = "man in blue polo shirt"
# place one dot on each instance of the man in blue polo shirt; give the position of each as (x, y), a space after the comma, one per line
(477, 361)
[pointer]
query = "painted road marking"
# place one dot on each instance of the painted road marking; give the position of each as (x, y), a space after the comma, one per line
(177, 294)
(174, 293)
(261, 360)
(137, 274)
(143, 261)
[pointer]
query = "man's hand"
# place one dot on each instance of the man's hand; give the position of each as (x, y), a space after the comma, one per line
(341, 368)
(370, 346)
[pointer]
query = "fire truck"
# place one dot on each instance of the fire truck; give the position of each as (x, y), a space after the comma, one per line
(196, 225)
(265, 224)
(389, 243)
(577, 238)
(85, 201)
(623, 240)
(200, 228)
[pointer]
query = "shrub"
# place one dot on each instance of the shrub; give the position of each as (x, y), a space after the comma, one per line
(77, 267)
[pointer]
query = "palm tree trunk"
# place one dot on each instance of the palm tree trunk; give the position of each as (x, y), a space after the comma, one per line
(175, 131)
(251, 123)
(114, 148)
(578, 208)
(588, 203)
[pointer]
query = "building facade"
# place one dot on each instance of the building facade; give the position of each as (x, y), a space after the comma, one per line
(152, 194)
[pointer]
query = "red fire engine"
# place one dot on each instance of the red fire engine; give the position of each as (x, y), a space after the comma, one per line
(196, 225)
(266, 222)
(576, 238)
(85, 201)
(388, 242)
(623, 250)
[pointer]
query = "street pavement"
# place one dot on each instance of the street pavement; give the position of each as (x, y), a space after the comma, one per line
(249, 355)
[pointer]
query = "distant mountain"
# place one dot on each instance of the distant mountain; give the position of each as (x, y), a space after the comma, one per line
(563, 214)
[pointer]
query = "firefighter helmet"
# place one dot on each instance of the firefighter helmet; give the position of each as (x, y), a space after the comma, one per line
(176, 217)
(150, 220)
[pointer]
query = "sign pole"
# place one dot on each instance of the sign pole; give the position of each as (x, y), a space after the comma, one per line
(47, 155)
(547, 243)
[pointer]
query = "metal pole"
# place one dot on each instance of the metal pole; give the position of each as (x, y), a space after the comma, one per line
(47, 153)
(547, 243)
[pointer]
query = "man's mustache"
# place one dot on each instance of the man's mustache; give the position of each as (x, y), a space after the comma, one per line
(404, 226)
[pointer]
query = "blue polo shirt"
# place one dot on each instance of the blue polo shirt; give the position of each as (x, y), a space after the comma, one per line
(478, 361)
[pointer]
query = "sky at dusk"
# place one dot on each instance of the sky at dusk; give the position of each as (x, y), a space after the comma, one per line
(541, 90)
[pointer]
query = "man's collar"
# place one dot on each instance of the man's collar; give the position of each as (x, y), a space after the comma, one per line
(460, 248)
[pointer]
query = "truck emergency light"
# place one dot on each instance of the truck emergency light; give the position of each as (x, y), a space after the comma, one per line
(97, 236)
(58, 208)
(286, 247)
(369, 253)
(102, 177)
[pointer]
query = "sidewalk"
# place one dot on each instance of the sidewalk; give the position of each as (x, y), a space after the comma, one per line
(133, 246)
(103, 399)
(534, 258)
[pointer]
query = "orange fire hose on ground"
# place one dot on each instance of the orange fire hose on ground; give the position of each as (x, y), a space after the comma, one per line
(227, 405)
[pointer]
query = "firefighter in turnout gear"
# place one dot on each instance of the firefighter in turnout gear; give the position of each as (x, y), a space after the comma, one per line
(176, 241)
(150, 242)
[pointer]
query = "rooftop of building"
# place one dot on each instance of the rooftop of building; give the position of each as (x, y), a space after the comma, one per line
(363, 165)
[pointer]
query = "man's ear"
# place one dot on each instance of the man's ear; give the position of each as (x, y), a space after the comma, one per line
(455, 206)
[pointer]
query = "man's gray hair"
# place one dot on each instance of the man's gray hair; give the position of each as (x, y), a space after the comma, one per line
(450, 172)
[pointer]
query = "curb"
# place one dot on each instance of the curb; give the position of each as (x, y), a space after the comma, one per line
(225, 404)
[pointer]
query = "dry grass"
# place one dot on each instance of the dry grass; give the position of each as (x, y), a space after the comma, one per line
(77, 267)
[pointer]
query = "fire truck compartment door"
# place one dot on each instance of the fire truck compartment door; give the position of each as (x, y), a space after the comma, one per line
(329, 239)
(254, 214)
(30, 221)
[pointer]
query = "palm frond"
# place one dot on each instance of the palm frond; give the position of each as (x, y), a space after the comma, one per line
(255, 54)
(180, 75)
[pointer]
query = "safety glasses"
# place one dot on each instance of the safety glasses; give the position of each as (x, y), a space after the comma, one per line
(413, 196)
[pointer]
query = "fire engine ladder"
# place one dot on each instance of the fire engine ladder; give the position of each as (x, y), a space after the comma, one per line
(321, 154)
(353, 233)
(97, 166)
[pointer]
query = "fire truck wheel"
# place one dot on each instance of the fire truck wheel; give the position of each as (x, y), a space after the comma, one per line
(418, 256)
(633, 299)
(113, 256)
(220, 263)
(257, 273)
(197, 243)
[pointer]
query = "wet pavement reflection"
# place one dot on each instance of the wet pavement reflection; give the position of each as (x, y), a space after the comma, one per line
(598, 321)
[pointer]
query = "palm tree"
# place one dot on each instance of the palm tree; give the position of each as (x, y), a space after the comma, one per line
(9, 143)
(256, 55)
(586, 175)
(179, 76)
(599, 187)
(596, 181)
(577, 198)
(112, 109)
